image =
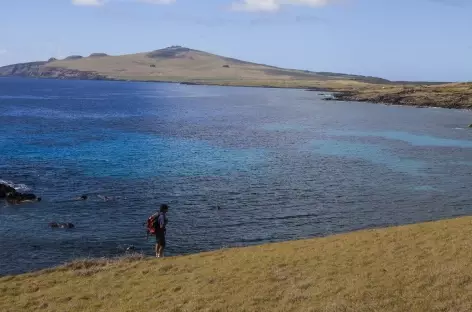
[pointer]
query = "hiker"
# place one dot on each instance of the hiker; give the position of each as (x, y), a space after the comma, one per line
(157, 226)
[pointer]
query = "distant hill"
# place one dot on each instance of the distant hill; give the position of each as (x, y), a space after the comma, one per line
(189, 66)
(177, 64)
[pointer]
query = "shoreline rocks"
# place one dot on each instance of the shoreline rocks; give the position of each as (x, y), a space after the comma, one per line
(5, 190)
(13, 196)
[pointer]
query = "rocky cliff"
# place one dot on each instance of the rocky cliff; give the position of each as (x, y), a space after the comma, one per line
(39, 70)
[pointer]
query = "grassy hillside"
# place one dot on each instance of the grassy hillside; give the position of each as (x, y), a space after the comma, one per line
(424, 267)
(179, 64)
(183, 64)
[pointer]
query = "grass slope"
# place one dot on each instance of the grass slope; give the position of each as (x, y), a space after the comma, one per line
(179, 64)
(422, 267)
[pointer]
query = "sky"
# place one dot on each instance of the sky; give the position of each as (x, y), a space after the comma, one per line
(394, 39)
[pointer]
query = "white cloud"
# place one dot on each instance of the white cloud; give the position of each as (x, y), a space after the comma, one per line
(274, 5)
(88, 2)
(157, 1)
(102, 2)
(3, 51)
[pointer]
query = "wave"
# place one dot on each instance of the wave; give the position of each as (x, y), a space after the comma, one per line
(19, 187)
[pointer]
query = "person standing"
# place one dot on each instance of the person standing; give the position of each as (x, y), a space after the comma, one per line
(160, 228)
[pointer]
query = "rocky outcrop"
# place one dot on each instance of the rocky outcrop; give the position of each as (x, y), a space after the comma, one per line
(446, 97)
(13, 196)
(5, 190)
(170, 52)
(23, 69)
(56, 225)
(319, 89)
(39, 70)
(98, 55)
(18, 198)
(73, 57)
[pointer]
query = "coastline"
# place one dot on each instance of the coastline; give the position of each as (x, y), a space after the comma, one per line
(451, 96)
(416, 267)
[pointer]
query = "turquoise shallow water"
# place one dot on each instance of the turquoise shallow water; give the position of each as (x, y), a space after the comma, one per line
(281, 164)
(411, 138)
(137, 155)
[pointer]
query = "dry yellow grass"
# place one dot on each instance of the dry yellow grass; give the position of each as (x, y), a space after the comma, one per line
(187, 65)
(193, 65)
(423, 267)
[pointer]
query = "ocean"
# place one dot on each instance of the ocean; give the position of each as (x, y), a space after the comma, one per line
(282, 164)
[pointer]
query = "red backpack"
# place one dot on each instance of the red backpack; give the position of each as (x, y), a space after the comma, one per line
(151, 224)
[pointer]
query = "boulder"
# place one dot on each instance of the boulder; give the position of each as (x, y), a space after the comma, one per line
(12, 196)
(5, 190)
(470, 126)
(18, 198)
(56, 225)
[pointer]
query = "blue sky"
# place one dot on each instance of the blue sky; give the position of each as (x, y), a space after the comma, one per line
(394, 39)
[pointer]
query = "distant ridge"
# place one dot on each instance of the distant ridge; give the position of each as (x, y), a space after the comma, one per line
(193, 67)
(176, 64)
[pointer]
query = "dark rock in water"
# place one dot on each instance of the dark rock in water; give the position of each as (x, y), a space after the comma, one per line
(15, 197)
(56, 225)
(28, 196)
(470, 126)
(5, 190)
(18, 198)
(226, 66)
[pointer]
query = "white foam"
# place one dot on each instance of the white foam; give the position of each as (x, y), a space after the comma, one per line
(19, 187)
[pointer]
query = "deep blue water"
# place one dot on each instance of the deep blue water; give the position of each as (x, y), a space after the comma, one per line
(282, 164)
